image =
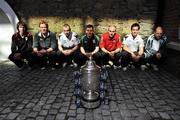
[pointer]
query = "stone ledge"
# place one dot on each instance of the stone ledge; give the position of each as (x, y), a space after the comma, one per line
(174, 45)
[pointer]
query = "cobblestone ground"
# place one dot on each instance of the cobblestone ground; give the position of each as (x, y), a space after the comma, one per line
(48, 95)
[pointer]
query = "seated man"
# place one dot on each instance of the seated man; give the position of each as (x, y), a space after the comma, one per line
(44, 46)
(133, 46)
(21, 46)
(68, 45)
(110, 45)
(89, 46)
(155, 48)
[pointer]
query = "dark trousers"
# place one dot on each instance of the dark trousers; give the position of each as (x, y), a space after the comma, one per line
(20, 62)
(42, 61)
(61, 58)
(106, 57)
(153, 60)
(96, 57)
(127, 58)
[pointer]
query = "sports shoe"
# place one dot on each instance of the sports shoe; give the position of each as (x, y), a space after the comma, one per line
(43, 68)
(116, 67)
(53, 68)
(110, 63)
(64, 64)
(143, 67)
(155, 68)
(124, 68)
(74, 64)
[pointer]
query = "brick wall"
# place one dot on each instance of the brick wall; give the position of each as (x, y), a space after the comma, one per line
(78, 13)
(171, 22)
(171, 19)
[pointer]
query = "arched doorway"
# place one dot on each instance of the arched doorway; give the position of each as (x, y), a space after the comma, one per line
(8, 20)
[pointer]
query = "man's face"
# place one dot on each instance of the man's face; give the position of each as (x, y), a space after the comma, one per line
(66, 31)
(43, 28)
(134, 31)
(112, 31)
(21, 29)
(89, 32)
(158, 33)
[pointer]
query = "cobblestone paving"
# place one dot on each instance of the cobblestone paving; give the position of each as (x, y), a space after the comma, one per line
(48, 95)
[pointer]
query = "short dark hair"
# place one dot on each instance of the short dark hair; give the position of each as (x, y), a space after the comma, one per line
(23, 24)
(135, 25)
(90, 26)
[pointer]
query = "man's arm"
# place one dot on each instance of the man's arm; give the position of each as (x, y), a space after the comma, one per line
(126, 48)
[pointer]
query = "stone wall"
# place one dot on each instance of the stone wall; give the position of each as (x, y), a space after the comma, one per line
(78, 13)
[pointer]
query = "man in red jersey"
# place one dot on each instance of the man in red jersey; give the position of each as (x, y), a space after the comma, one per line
(110, 45)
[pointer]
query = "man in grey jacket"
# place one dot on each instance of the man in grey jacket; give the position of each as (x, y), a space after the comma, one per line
(44, 46)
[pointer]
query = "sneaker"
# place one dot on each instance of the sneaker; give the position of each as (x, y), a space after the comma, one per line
(110, 63)
(143, 67)
(43, 68)
(53, 68)
(64, 64)
(155, 68)
(124, 68)
(74, 64)
(116, 67)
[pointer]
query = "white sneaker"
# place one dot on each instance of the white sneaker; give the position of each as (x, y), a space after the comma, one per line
(155, 68)
(43, 68)
(110, 63)
(53, 68)
(74, 64)
(115, 67)
(64, 64)
(143, 67)
(124, 68)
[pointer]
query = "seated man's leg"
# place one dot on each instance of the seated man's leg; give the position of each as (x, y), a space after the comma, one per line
(40, 61)
(60, 58)
(52, 59)
(117, 59)
(81, 59)
(98, 58)
(126, 58)
(17, 62)
(105, 58)
(30, 58)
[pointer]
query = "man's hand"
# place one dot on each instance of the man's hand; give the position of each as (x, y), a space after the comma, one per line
(41, 52)
(112, 54)
(66, 52)
(158, 55)
(88, 54)
(17, 56)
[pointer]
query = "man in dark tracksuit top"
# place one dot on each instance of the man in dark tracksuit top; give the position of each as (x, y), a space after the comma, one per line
(89, 46)
(21, 46)
(44, 46)
(155, 48)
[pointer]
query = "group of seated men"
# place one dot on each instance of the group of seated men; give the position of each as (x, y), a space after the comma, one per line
(69, 49)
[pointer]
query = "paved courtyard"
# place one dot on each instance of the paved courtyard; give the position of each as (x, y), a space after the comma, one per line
(48, 95)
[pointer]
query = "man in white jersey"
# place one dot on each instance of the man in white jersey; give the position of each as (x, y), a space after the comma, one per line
(133, 47)
(68, 45)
